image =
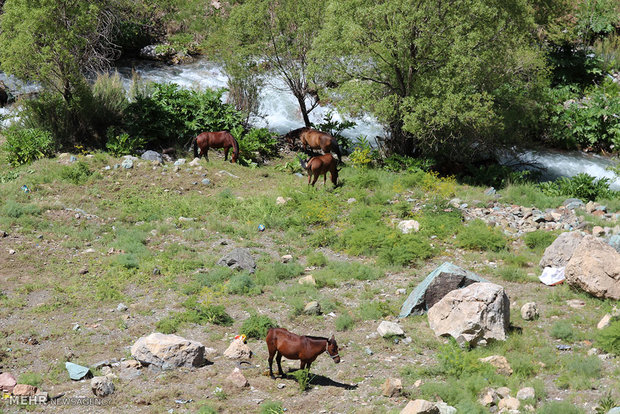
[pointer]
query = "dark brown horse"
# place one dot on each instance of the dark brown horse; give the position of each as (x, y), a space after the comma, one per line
(291, 346)
(220, 139)
(321, 164)
(314, 139)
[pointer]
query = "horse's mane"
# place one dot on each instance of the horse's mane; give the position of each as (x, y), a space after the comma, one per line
(318, 338)
(296, 132)
(235, 146)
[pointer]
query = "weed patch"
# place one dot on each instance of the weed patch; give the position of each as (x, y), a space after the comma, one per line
(478, 236)
(256, 326)
(609, 338)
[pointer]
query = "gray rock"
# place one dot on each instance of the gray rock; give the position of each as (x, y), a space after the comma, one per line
(614, 241)
(239, 258)
(475, 314)
(168, 351)
(526, 393)
(102, 386)
(573, 203)
(206, 181)
(179, 162)
(152, 156)
(560, 251)
(312, 308)
(595, 268)
(529, 311)
(387, 328)
(237, 379)
(435, 286)
(121, 307)
(76, 372)
(615, 410)
(408, 226)
(127, 163)
(420, 407)
(445, 408)
(490, 191)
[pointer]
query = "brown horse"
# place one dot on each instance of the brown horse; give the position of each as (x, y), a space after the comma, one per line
(291, 346)
(321, 164)
(220, 139)
(314, 139)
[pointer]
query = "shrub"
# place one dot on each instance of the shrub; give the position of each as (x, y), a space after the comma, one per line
(256, 326)
(26, 145)
(76, 173)
(196, 313)
(15, 210)
(456, 362)
(317, 259)
(123, 144)
(344, 322)
(242, 284)
(539, 239)
(478, 236)
(559, 407)
(582, 186)
(374, 310)
(303, 378)
(206, 409)
(30, 378)
(562, 330)
(271, 407)
(323, 237)
(257, 141)
(578, 372)
(609, 338)
(276, 272)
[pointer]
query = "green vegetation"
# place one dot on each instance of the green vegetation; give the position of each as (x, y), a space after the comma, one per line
(477, 235)
(271, 407)
(195, 313)
(539, 240)
(582, 186)
(26, 145)
(609, 338)
(303, 378)
(563, 330)
(256, 326)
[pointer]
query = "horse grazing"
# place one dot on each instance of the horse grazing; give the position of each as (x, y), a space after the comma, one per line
(281, 342)
(314, 139)
(321, 164)
(220, 139)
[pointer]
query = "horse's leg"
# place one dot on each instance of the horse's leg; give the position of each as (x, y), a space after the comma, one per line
(207, 153)
(272, 352)
(279, 361)
(309, 176)
(226, 149)
(302, 365)
(316, 177)
(324, 179)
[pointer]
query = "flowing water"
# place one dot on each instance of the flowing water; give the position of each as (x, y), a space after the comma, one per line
(279, 112)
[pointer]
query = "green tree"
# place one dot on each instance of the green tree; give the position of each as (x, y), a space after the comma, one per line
(55, 42)
(279, 36)
(444, 77)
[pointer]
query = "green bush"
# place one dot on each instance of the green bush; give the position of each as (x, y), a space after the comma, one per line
(15, 210)
(77, 173)
(26, 145)
(578, 372)
(195, 313)
(539, 239)
(166, 115)
(375, 310)
(582, 186)
(323, 237)
(123, 144)
(478, 236)
(303, 378)
(257, 141)
(317, 259)
(559, 407)
(242, 284)
(458, 363)
(608, 339)
(256, 326)
(563, 330)
(271, 407)
(344, 322)
(30, 378)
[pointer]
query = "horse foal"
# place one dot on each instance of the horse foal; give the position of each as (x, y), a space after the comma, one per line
(321, 164)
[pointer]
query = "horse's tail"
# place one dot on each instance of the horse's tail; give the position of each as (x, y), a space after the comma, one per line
(338, 153)
(303, 163)
(194, 142)
(235, 147)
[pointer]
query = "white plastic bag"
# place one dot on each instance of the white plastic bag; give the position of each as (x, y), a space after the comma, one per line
(552, 276)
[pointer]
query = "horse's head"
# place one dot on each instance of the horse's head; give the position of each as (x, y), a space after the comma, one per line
(290, 139)
(332, 349)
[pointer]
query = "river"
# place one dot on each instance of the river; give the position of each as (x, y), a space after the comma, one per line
(279, 112)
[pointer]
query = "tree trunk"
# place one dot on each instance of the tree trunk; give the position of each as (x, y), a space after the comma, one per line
(400, 141)
(302, 107)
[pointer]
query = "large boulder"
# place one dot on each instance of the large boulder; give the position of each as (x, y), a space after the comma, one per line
(238, 258)
(102, 386)
(595, 268)
(238, 350)
(168, 351)
(435, 286)
(475, 314)
(560, 251)
(151, 155)
(420, 407)
(7, 382)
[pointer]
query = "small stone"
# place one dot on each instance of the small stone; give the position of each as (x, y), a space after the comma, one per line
(127, 163)
(238, 350)
(24, 390)
(368, 351)
(237, 379)
(83, 271)
(409, 226)
(509, 403)
(280, 386)
(206, 181)
(287, 258)
(387, 328)
(401, 291)
(194, 162)
(351, 200)
(11, 251)
(503, 392)
(529, 311)
(489, 398)
(417, 383)
(604, 322)
(576, 303)
(307, 280)
(420, 407)
(392, 387)
(526, 393)
(445, 408)
(598, 231)
(102, 386)
(490, 191)
(156, 271)
(76, 327)
(121, 307)
(179, 162)
(281, 200)
(499, 362)
(7, 382)
(312, 308)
